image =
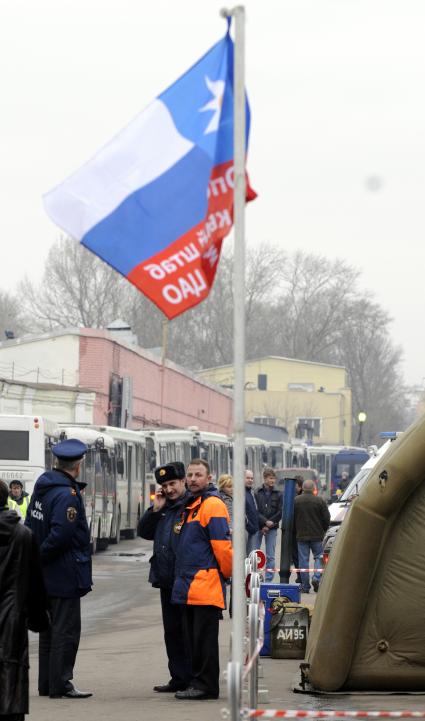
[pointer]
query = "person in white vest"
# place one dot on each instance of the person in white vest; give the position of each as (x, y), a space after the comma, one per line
(19, 499)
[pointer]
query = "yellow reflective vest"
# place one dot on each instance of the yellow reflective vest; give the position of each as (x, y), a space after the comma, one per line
(20, 508)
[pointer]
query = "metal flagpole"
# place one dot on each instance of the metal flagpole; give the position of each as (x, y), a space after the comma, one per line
(239, 602)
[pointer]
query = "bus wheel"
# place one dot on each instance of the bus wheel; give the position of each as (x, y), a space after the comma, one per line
(129, 533)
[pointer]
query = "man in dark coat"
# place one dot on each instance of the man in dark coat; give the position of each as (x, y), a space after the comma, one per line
(269, 504)
(251, 513)
(162, 523)
(311, 518)
(58, 520)
(23, 605)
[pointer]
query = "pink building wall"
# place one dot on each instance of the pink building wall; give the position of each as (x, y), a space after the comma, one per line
(187, 401)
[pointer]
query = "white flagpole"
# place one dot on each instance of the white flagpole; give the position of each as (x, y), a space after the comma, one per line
(239, 602)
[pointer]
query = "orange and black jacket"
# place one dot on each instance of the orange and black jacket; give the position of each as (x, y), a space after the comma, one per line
(204, 554)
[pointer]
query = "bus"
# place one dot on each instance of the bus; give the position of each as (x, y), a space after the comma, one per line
(132, 496)
(174, 444)
(350, 461)
(330, 461)
(25, 448)
(98, 472)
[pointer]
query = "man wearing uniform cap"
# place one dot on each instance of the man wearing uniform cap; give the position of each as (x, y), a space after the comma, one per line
(56, 516)
(162, 523)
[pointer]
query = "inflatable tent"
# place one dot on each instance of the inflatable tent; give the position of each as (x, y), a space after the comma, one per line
(368, 627)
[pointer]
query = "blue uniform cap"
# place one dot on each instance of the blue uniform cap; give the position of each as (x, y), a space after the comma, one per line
(70, 450)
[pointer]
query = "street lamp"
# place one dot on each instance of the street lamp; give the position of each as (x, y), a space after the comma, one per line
(362, 418)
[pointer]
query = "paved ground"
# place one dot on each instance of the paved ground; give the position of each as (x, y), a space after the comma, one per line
(121, 657)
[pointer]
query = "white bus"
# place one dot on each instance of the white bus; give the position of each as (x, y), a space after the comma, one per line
(132, 496)
(117, 470)
(25, 448)
(165, 445)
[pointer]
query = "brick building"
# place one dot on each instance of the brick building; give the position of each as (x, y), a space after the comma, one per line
(132, 386)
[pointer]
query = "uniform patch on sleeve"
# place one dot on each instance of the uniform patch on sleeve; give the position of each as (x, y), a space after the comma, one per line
(71, 514)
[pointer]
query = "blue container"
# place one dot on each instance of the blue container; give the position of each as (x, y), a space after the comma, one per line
(268, 592)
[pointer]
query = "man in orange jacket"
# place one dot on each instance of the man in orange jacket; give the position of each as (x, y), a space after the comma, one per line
(203, 563)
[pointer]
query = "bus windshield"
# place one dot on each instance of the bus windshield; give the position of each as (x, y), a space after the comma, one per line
(14, 445)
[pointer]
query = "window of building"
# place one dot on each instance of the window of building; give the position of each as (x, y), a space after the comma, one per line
(306, 387)
(266, 420)
(262, 381)
(308, 427)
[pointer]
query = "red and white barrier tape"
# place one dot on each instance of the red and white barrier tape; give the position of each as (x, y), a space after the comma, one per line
(296, 570)
(292, 714)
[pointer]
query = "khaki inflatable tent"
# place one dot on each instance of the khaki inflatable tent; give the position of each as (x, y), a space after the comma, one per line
(368, 628)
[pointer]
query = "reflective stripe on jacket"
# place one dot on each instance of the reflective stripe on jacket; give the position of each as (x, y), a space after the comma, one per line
(204, 554)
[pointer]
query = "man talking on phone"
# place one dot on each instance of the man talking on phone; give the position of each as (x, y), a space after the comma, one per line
(162, 523)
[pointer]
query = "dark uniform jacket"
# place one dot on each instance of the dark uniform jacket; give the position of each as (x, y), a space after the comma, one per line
(204, 553)
(163, 528)
(58, 520)
(311, 516)
(269, 506)
(23, 604)
(251, 513)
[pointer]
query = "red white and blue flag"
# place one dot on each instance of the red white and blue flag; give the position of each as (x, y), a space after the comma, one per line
(156, 202)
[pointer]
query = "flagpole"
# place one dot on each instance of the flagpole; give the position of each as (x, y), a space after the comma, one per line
(238, 583)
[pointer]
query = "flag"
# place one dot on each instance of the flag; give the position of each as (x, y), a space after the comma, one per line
(156, 201)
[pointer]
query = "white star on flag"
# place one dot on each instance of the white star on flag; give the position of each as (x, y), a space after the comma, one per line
(216, 87)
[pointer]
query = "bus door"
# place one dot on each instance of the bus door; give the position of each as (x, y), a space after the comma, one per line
(140, 478)
(87, 476)
(129, 483)
(109, 489)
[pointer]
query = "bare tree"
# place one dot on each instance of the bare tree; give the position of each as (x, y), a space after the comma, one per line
(11, 316)
(77, 289)
(300, 306)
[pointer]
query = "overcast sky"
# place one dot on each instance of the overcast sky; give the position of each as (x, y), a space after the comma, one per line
(337, 150)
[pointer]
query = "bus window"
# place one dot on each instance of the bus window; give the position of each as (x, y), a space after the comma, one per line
(14, 445)
(150, 458)
(162, 454)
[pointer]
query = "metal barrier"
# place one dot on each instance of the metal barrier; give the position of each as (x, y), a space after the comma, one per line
(236, 676)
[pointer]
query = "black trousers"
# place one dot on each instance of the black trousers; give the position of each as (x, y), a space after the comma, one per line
(13, 717)
(201, 625)
(58, 646)
(175, 643)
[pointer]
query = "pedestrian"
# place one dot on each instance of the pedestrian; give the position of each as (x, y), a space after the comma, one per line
(203, 563)
(251, 514)
(57, 518)
(342, 484)
(19, 499)
(23, 605)
(162, 524)
(225, 490)
(269, 504)
(295, 557)
(312, 519)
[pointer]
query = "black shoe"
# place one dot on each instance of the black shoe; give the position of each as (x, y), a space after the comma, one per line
(72, 693)
(193, 694)
(169, 687)
(315, 584)
(305, 590)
